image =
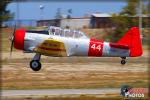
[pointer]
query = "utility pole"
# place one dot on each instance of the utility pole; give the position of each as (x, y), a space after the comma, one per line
(41, 8)
(140, 16)
(17, 17)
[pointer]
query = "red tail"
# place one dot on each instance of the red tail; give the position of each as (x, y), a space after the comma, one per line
(132, 39)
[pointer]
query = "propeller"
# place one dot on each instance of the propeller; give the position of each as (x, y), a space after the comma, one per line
(12, 40)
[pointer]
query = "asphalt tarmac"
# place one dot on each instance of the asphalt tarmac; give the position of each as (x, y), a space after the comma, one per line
(6, 93)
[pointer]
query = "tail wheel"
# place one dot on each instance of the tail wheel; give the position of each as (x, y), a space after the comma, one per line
(35, 65)
(123, 62)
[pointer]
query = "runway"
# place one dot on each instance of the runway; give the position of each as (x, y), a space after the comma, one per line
(7, 93)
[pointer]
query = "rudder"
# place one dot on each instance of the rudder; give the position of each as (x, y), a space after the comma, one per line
(132, 39)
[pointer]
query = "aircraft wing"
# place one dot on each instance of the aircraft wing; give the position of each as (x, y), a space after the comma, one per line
(51, 47)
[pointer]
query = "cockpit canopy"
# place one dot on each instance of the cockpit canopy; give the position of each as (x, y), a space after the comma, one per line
(66, 32)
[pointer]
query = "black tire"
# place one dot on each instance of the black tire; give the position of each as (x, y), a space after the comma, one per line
(123, 62)
(35, 65)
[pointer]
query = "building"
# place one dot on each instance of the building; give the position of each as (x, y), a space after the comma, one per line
(101, 20)
(51, 22)
(97, 20)
(74, 23)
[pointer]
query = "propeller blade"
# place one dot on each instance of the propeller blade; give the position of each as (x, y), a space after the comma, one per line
(12, 40)
(12, 43)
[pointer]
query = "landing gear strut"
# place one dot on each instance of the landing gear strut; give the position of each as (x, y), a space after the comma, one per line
(35, 64)
(123, 61)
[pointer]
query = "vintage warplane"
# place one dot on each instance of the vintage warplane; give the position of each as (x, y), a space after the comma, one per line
(56, 41)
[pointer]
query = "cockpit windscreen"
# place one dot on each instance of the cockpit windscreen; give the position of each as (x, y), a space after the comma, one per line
(66, 32)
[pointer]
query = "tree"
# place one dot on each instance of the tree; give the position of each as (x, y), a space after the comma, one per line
(131, 8)
(148, 7)
(4, 13)
(125, 19)
(69, 13)
(58, 13)
(146, 12)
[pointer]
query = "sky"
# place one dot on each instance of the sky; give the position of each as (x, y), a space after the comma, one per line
(31, 10)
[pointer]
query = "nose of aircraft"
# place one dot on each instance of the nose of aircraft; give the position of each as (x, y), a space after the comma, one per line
(19, 39)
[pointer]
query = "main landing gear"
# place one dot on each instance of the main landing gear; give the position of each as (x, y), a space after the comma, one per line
(35, 64)
(123, 61)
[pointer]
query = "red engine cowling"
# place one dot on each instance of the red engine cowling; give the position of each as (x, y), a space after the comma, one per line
(19, 39)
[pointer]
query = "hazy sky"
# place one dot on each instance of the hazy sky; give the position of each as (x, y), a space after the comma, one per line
(31, 10)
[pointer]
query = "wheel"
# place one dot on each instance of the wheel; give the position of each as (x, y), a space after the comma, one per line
(123, 62)
(35, 65)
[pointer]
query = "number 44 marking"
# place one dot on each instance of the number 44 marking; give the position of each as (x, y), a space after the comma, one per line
(96, 47)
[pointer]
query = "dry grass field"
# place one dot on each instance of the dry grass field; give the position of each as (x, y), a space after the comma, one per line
(73, 72)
